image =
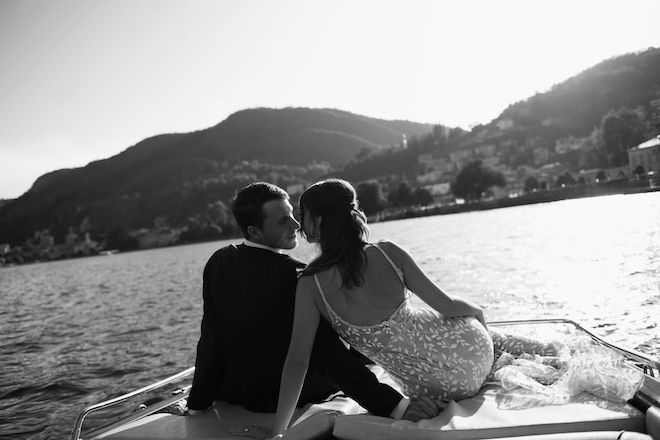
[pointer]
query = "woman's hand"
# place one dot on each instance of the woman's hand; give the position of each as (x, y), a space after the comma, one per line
(480, 317)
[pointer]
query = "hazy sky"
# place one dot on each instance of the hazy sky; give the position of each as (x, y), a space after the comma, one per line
(82, 80)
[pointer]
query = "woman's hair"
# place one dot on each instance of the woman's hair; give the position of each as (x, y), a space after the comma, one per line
(248, 204)
(342, 232)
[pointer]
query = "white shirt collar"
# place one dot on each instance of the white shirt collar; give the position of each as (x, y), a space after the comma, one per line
(261, 246)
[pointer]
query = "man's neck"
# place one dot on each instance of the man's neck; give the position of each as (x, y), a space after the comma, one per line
(249, 243)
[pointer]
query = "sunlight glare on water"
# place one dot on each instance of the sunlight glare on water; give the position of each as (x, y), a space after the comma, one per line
(594, 260)
(75, 332)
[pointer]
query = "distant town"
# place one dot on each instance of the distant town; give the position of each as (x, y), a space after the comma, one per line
(639, 175)
(78, 243)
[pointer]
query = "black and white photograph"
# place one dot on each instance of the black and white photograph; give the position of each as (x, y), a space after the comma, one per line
(313, 220)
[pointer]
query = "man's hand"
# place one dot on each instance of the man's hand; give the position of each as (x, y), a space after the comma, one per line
(422, 408)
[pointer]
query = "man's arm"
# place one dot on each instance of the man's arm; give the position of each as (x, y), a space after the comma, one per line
(209, 369)
(209, 364)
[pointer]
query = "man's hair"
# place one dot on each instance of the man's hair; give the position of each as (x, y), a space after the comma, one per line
(248, 204)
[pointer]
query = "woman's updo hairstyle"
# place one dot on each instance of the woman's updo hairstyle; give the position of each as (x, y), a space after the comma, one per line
(342, 232)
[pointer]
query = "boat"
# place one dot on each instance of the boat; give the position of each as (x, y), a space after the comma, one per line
(109, 252)
(495, 412)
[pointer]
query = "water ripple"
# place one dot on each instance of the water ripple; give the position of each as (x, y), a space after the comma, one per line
(75, 332)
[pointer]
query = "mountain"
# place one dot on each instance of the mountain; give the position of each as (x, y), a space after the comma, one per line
(177, 176)
(188, 178)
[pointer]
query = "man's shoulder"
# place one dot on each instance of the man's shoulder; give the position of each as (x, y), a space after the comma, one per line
(243, 252)
(224, 251)
(293, 261)
(289, 262)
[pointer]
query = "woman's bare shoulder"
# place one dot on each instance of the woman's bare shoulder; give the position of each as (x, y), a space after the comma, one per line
(307, 287)
(396, 253)
(305, 281)
(389, 246)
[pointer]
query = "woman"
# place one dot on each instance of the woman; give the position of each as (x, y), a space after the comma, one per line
(362, 289)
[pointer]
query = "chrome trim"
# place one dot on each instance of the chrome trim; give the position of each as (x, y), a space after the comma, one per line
(77, 427)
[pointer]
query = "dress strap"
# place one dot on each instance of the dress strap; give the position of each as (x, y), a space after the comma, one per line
(398, 271)
(325, 301)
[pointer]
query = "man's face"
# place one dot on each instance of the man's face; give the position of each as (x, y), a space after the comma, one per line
(280, 227)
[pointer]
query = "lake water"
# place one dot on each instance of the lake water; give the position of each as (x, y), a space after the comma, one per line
(76, 332)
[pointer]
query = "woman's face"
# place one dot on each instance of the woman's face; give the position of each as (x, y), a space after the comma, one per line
(310, 225)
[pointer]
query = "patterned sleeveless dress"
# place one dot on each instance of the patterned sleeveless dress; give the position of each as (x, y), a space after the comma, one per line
(426, 353)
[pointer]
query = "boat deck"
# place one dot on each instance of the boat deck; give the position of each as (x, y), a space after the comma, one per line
(493, 413)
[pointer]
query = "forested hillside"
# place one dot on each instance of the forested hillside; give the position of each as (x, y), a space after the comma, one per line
(576, 113)
(179, 178)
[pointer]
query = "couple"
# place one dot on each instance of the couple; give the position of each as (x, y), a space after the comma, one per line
(250, 350)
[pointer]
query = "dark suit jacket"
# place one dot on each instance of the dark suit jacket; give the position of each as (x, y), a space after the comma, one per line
(249, 296)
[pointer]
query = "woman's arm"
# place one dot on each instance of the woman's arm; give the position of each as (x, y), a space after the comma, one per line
(305, 324)
(421, 285)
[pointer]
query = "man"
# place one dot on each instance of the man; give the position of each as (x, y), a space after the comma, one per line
(249, 293)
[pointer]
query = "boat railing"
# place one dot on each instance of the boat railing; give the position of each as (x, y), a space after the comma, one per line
(77, 427)
(650, 364)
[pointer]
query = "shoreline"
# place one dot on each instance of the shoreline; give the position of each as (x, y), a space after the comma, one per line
(611, 187)
(608, 188)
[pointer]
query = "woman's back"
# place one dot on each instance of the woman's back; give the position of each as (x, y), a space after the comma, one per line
(380, 294)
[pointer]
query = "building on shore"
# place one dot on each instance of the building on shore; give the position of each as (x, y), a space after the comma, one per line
(157, 238)
(647, 156)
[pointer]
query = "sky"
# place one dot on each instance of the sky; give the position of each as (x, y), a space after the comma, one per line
(83, 80)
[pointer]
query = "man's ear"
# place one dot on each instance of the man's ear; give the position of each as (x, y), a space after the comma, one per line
(254, 233)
